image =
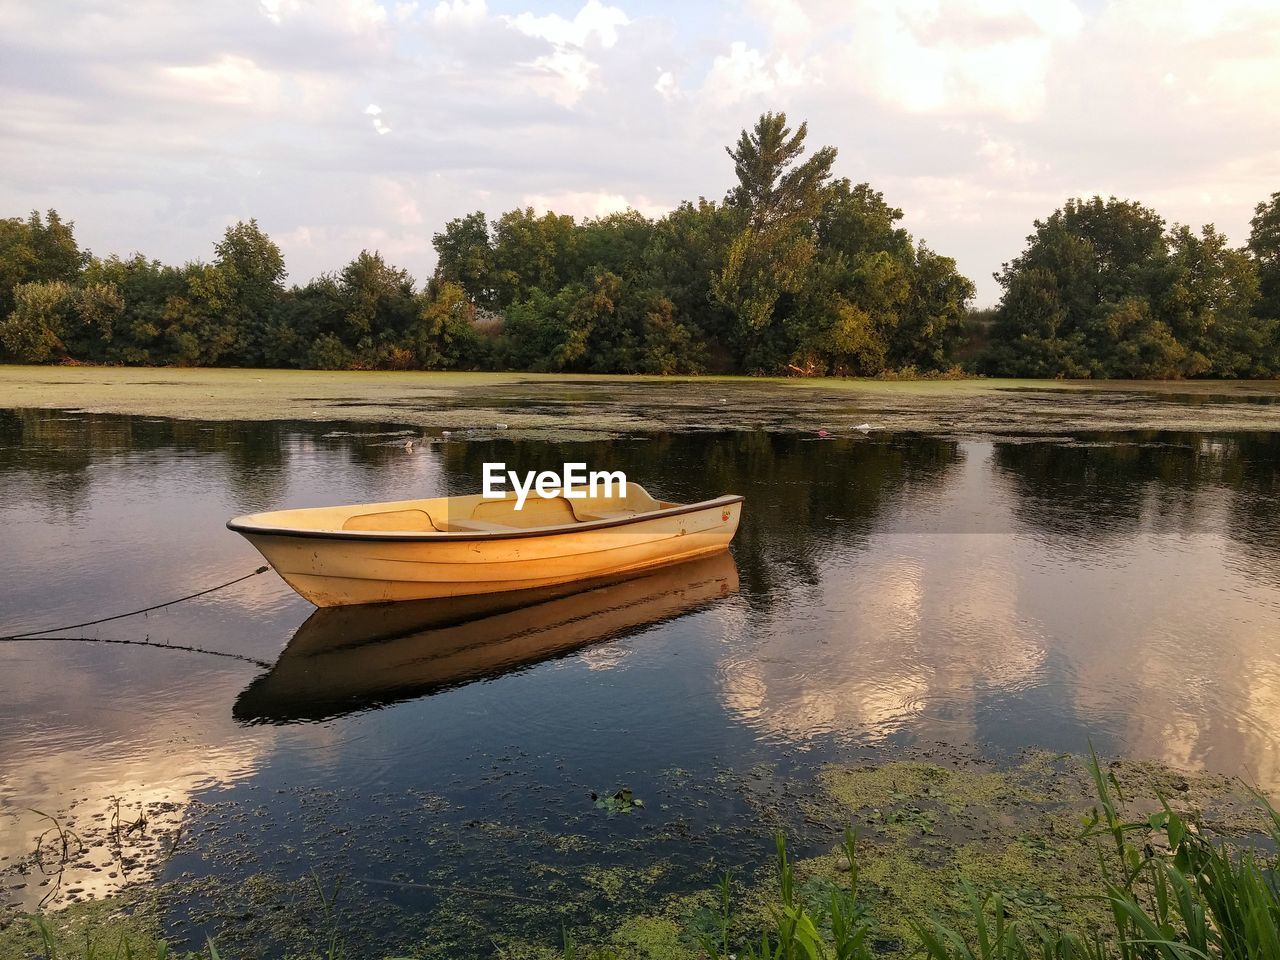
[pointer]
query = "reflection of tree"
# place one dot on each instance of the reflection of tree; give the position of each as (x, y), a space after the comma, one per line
(803, 496)
(1252, 472)
(54, 450)
(1107, 488)
(43, 460)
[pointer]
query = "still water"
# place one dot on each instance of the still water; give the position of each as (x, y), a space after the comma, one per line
(885, 593)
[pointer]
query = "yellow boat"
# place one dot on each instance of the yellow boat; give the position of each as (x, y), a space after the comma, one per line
(351, 658)
(454, 546)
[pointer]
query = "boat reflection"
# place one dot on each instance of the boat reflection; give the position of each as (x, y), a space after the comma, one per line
(347, 659)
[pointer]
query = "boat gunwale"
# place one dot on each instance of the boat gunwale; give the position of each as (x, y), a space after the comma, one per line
(515, 533)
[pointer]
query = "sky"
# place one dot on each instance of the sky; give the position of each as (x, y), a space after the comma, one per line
(356, 124)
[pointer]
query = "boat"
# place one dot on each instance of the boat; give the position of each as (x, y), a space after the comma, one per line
(455, 546)
(348, 659)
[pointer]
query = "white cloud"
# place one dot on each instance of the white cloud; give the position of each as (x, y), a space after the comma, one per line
(745, 73)
(594, 21)
(586, 203)
(564, 75)
(1233, 45)
(464, 12)
(984, 56)
(375, 112)
(397, 203)
(276, 10)
(974, 116)
(560, 58)
(232, 80)
(360, 15)
(1007, 159)
(667, 86)
(786, 20)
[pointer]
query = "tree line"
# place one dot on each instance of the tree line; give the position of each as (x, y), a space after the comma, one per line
(793, 271)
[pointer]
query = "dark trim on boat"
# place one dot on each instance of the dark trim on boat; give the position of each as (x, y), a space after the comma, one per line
(517, 533)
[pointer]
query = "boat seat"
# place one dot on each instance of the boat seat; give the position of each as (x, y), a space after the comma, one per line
(635, 500)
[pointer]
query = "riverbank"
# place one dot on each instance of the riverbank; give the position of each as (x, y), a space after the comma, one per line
(933, 833)
(546, 406)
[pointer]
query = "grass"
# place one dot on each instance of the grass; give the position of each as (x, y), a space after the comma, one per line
(1173, 893)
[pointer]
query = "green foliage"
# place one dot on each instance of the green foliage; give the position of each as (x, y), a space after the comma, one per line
(1173, 893)
(465, 256)
(36, 250)
(805, 923)
(620, 801)
(773, 186)
(34, 331)
(1104, 290)
(444, 334)
(1265, 247)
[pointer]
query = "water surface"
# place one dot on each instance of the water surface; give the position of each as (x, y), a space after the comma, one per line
(886, 592)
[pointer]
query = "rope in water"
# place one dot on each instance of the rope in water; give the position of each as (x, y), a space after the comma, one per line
(143, 643)
(36, 634)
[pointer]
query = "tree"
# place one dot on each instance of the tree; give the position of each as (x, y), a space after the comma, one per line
(1208, 303)
(856, 220)
(1058, 316)
(465, 257)
(685, 252)
(377, 301)
(36, 249)
(772, 185)
(615, 242)
(669, 346)
(932, 319)
(531, 252)
(98, 309)
(34, 331)
(1264, 244)
(792, 268)
(779, 198)
(444, 335)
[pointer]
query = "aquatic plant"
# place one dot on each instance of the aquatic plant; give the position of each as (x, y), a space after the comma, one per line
(1167, 886)
(1172, 893)
(622, 801)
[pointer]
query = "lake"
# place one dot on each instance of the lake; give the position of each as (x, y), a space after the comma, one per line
(888, 594)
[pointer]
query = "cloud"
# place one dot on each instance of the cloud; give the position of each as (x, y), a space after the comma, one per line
(556, 57)
(152, 124)
(277, 10)
(375, 112)
(982, 57)
(1008, 159)
(586, 204)
(667, 86)
(594, 22)
(232, 80)
(745, 73)
(566, 73)
(397, 203)
(464, 12)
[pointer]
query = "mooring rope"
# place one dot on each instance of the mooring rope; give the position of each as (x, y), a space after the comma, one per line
(37, 634)
(144, 643)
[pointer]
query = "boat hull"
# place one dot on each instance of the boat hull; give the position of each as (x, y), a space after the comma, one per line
(343, 570)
